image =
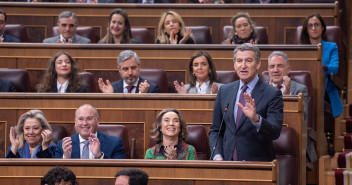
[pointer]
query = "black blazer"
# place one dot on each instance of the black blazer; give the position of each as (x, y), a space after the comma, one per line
(6, 86)
(82, 89)
(118, 86)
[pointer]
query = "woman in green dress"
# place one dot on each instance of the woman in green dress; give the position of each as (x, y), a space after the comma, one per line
(170, 133)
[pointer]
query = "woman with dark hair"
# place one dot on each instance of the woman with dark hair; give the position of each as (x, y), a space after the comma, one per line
(119, 29)
(243, 30)
(313, 30)
(59, 175)
(32, 138)
(62, 75)
(170, 133)
(202, 76)
(171, 30)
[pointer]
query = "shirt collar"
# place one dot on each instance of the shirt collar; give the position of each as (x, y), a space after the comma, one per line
(63, 39)
(135, 83)
(64, 86)
(251, 84)
(81, 139)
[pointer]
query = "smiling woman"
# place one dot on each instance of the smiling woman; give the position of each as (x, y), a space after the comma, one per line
(170, 133)
(202, 76)
(62, 76)
(243, 30)
(119, 29)
(32, 138)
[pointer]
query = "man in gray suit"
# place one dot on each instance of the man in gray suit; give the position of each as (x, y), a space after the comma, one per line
(248, 113)
(279, 68)
(67, 24)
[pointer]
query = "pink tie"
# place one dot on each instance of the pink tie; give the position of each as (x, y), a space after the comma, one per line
(239, 114)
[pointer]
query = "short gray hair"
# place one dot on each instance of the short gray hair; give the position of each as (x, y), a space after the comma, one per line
(281, 54)
(68, 14)
(127, 54)
(247, 47)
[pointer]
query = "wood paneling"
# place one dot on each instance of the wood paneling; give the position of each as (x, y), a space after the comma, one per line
(89, 172)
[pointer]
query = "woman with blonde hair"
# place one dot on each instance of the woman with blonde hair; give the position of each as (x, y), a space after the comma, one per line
(171, 30)
(62, 76)
(33, 138)
(170, 133)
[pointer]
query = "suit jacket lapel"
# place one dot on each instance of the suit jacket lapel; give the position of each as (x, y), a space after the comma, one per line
(75, 147)
(232, 101)
(120, 86)
(101, 140)
(139, 81)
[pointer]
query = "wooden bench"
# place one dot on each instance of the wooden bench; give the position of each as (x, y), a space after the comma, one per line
(90, 172)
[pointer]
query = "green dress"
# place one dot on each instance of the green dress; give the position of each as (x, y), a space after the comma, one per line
(184, 152)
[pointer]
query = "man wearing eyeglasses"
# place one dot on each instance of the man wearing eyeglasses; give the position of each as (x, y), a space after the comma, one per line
(67, 24)
(88, 143)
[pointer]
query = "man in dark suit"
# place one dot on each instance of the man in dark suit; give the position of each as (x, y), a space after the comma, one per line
(88, 143)
(67, 24)
(254, 116)
(5, 37)
(129, 67)
(6, 86)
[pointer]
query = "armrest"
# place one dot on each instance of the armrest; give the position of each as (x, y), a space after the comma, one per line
(337, 81)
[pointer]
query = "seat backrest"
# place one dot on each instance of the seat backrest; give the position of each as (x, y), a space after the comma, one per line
(59, 132)
(157, 76)
(226, 77)
(198, 137)
(261, 33)
(82, 31)
(304, 78)
(88, 79)
(286, 151)
(18, 77)
(117, 131)
(202, 34)
(143, 35)
(17, 30)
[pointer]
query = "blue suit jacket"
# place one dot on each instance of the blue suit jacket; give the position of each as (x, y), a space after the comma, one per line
(9, 38)
(331, 60)
(118, 86)
(251, 145)
(111, 146)
(6, 86)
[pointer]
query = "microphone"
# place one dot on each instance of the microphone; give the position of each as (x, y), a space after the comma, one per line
(216, 141)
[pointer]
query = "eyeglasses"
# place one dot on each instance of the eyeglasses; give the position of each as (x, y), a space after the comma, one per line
(316, 25)
(88, 119)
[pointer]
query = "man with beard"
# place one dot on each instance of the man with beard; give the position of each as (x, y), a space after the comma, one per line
(129, 67)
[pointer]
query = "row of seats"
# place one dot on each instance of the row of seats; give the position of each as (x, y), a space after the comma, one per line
(25, 81)
(141, 35)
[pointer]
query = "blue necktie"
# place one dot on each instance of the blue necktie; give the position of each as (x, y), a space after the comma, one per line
(85, 151)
